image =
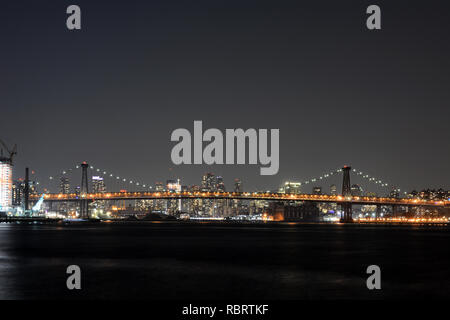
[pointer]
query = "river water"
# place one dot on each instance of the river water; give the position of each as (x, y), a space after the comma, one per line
(172, 260)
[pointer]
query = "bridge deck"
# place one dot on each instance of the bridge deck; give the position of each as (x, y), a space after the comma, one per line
(242, 196)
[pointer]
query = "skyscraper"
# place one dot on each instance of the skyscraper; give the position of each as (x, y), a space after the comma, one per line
(98, 184)
(317, 190)
(5, 185)
(173, 205)
(394, 193)
(159, 204)
(17, 192)
(64, 185)
(220, 186)
(64, 188)
(237, 185)
(333, 206)
(292, 187)
(208, 182)
(333, 190)
(221, 206)
(208, 185)
(196, 205)
(237, 204)
(18, 188)
(356, 190)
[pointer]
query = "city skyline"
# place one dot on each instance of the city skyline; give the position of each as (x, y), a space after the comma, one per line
(211, 200)
(325, 181)
(102, 182)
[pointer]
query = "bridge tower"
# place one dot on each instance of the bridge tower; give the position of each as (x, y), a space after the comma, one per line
(84, 204)
(346, 193)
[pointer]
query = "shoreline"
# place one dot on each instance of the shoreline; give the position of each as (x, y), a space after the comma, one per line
(33, 221)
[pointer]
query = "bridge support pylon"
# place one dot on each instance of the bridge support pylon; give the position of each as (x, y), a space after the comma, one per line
(84, 190)
(378, 213)
(346, 193)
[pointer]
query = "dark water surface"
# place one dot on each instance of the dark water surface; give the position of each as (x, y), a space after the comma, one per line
(221, 261)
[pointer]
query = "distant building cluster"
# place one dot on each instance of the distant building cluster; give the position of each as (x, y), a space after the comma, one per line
(430, 194)
(18, 188)
(195, 207)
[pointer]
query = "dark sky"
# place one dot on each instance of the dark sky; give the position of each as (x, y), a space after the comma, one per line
(112, 93)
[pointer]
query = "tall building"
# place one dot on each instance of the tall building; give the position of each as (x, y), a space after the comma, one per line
(18, 188)
(173, 205)
(394, 193)
(237, 185)
(317, 190)
(64, 188)
(332, 207)
(5, 185)
(333, 190)
(98, 184)
(17, 192)
(209, 184)
(356, 190)
(220, 206)
(195, 205)
(159, 204)
(220, 185)
(291, 187)
(237, 204)
(173, 185)
(186, 204)
(64, 185)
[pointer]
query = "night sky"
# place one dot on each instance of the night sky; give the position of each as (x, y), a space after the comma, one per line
(112, 93)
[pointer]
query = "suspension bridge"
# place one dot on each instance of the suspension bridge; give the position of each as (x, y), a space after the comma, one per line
(346, 200)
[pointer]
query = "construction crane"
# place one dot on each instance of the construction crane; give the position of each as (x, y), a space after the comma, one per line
(12, 152)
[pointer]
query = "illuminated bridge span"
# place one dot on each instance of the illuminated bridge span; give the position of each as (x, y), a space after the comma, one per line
(144, 195)
(345, 199)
